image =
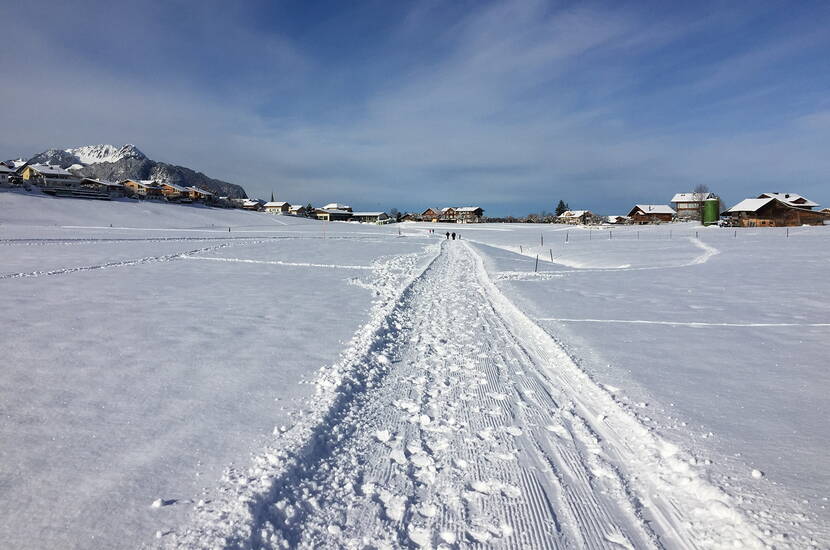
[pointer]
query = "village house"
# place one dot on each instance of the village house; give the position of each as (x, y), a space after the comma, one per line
(332, 214)
(431, 215)
(469, 214)
(771, 212)
(790, 199)
(583, 217)
(198, 194)
(371, 217)
(276, 207)
(689, 205)
(173, 192)
(48, 176)
(5, 174)
(651, 213)
(449, 215)
(144, 189)
(297, 210)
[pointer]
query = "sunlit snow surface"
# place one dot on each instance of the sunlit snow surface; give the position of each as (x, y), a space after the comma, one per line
(141, 361)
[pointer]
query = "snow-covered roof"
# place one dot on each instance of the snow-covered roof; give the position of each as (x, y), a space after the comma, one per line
(50, 170)
(468, 209)
(178, 188)
(692, 197)
(276, 204)
(655, 208)
(335, 211)
(790, 199)
(750, 205)
(200, 190)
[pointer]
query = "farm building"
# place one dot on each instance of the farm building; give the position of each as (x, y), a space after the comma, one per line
(651, 213)
(689, 205)
(771, 212)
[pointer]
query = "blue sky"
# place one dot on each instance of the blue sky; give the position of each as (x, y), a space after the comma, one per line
(507, 105)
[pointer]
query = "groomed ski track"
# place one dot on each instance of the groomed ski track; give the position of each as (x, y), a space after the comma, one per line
(459, 423)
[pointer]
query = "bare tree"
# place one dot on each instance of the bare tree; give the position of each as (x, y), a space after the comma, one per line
(700, 194)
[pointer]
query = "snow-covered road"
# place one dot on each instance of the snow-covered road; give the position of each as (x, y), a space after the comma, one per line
(462, 422)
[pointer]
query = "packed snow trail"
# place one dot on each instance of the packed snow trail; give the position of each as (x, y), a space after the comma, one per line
(466, 425)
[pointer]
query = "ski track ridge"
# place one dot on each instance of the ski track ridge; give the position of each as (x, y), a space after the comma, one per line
(454, 421)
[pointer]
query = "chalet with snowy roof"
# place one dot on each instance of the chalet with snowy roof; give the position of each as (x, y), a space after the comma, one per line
(431, 215)
(276, 207)
(371, 217)
(651, 213)
(46, 175)
(771, 212)
(469, 214)
(332, 214)
(689, 205)
(790, 199)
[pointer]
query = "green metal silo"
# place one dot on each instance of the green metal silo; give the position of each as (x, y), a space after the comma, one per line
(711, 211)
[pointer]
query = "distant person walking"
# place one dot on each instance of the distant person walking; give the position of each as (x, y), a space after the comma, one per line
(453, 235)
(448, 235)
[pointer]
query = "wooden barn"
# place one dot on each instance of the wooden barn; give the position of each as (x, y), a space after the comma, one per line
(651, 213)
(771, 212)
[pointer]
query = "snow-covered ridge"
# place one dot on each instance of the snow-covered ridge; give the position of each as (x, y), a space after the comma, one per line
(94, 154)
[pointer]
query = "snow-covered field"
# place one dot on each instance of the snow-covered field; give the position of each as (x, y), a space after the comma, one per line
(168, 382)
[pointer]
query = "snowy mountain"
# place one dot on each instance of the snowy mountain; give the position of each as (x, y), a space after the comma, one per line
(110, 162)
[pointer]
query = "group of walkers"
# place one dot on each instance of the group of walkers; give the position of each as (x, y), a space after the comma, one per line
(449, 235)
